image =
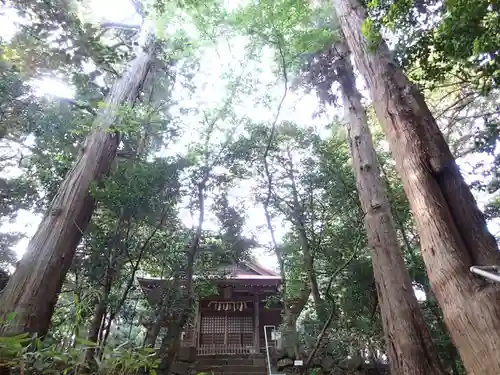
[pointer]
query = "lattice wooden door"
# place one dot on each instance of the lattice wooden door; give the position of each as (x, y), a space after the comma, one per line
(226, 330)
(240, 330)
(213, 330)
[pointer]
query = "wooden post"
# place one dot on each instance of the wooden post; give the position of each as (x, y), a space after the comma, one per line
(197, 324)
(256, 324)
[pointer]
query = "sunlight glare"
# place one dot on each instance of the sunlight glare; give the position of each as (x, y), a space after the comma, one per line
(8, 23)
(115, 11)
(52, 87)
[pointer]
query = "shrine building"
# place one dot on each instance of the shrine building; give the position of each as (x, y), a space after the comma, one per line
(232, 321)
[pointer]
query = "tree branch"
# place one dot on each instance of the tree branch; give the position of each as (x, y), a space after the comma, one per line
(106, 25)
(266, 153)
(319, 340)
(79, 104)
(341, 268)
(138, 6)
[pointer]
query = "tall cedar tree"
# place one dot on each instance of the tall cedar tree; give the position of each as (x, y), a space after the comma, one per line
(409, 343)
(33, 289)
(452, 229)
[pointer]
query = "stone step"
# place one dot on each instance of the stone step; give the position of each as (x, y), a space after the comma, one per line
(236, 361)
(227, 371)
(230, 372)
(233, 369)
(241, 369)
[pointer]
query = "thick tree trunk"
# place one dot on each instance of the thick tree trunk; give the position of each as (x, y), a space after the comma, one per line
(292, 310)
(154, 330)
(451, 352)
(33, 289)
(170, 346)
(453, 232)
(409, 344)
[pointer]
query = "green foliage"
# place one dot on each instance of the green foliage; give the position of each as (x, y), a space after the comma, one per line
(11, 348)
(56, 138)
(457, 37)
(35, 356)
(19, 109)
(140, 188)
(470, 34)
(371, 33)
(57, 38)
(291, 27)
(125, 360)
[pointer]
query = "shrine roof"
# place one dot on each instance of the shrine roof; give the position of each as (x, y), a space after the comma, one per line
(243, 273)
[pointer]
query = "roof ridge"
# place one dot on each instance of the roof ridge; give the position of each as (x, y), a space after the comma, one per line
(255, 266)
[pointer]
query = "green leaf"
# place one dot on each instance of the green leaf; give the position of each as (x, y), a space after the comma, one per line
(11, 316)
(86, 342)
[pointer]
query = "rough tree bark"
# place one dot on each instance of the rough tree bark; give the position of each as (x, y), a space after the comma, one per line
(154, 329)
(33, 289)
(452, 229)
(292, 308)
(409, 344)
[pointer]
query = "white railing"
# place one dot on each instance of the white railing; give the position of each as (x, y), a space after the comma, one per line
(274, 338)
(490, 272)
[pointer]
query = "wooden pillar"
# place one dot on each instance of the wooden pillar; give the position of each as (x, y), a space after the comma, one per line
(197, 324)
(256, 324)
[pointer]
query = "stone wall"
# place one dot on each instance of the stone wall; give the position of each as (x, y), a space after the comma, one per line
(324, 364)
(327, 364)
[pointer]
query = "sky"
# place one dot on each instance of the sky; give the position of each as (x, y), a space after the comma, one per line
(215, 61)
